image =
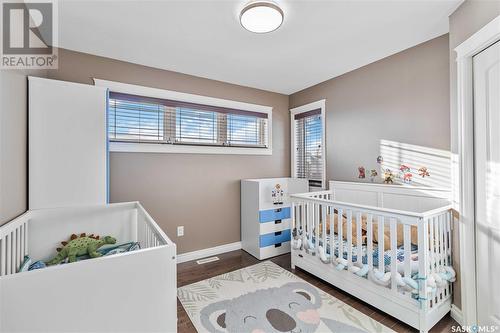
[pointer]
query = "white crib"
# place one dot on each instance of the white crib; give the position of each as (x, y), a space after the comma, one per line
(132, 292)
(405, 288)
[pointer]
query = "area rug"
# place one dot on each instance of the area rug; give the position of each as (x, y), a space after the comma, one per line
(267, 298)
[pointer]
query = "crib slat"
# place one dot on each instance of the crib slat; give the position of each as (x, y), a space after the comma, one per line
(323, 218)
(381, 243)
(8, 254)
(358, 238)
(309, 222)
(332, 231)
(369, 231)
(2, 256)
(441, 234)
(316, 225)
(18, 249)
(436, 242)
(394, 254)
(340, 233)
(349, 238)
(423, 269)
(21, 241)
(407, 250)
(303, 222)
(432, 255)
(447, 239)
(15, 252)
(26, 238)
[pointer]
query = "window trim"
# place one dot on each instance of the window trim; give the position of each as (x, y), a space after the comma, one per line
(135, 147)
(321, 104)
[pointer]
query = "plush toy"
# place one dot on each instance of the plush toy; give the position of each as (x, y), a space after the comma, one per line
(373, 174)
(423, 172)
(404, 168)
(388, 176)
(362, 172)
(277, 195)
(79, 246)
(407, 177)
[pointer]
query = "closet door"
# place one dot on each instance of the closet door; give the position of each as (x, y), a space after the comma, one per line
(486, 66)
(67, 144)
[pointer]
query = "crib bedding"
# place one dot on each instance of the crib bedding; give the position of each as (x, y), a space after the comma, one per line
(400, 253)
(364, 229)
(28, 264)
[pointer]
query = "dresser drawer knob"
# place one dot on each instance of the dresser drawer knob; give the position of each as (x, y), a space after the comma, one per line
(277, 233)
(277, 245)
(277, 222)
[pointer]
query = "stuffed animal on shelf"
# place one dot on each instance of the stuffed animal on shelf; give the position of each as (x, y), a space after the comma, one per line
(388, 176)
(79, 246)
(277, 195)
(407, 177)
(404, 168)
(423, 172)
(362, 172)
(373, 174)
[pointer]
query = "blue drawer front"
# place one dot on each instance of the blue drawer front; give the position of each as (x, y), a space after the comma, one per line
(274, 214)
(275, 238)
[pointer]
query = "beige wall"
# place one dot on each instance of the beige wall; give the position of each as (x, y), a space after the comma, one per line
(402, 98)
(13, 142)
(464, 22)
(200, 192)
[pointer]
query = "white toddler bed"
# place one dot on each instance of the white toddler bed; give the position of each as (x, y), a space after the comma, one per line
(391, 250)
(126, 292)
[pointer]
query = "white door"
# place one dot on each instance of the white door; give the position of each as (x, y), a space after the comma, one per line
(68, 154)
(486, 66)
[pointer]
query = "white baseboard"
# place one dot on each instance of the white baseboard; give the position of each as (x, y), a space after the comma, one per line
(456, 314)
(212, 251)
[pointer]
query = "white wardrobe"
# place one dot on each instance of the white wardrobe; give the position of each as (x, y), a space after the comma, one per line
(67, 135)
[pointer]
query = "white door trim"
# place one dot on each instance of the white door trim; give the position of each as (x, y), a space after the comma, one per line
(485, 37)
(321, 104)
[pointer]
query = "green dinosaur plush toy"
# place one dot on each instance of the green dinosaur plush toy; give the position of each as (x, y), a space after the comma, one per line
(79, 246)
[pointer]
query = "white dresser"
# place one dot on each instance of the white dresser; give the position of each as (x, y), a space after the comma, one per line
(265, 226)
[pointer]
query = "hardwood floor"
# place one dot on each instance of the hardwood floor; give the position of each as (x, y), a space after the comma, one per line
(191, 272)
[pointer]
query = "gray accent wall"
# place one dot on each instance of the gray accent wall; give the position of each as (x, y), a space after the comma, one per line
(198, 191)
(397, 107)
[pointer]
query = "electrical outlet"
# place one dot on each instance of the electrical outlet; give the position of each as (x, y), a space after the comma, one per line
(180, 231)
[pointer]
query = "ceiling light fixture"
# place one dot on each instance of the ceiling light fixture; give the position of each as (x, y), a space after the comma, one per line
(261, 17)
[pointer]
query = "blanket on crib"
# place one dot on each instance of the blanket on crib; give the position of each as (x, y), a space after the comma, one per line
(400, 254)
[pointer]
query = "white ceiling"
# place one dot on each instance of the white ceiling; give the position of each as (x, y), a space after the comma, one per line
(317, 41)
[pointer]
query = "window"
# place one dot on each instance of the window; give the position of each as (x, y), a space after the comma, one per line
(138, 119)
(308, 146)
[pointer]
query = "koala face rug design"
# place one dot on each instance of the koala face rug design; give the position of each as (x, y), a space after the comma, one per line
(292, 307)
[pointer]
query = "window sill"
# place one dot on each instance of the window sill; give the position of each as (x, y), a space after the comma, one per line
(128, 147)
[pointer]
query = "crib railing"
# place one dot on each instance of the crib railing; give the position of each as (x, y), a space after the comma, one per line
(14, 240)
(13, 245)
(148, 233)
(361, 232)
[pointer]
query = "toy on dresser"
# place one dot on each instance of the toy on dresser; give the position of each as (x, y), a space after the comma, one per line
(277, 195)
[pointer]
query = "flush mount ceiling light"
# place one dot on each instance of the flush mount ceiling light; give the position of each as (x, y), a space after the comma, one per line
(261, 17)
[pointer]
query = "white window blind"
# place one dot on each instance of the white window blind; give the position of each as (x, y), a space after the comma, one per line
(140, 119)
(308, 147)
